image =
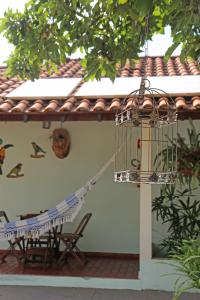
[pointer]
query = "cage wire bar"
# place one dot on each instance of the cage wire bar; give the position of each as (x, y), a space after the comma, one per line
(160, 127)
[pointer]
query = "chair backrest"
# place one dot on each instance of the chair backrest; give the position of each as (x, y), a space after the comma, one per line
(79, 230)
(4, 215)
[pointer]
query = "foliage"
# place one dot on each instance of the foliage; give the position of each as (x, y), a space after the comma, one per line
(188, 157)
(180, 211)
(107, 32)
(187, 262)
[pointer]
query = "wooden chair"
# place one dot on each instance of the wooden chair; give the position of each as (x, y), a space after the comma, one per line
(70, 241)
(13, 244)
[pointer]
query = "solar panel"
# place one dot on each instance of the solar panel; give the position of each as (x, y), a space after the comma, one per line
(177, 85)
(106, 88)
(45, 88)
(173, 85)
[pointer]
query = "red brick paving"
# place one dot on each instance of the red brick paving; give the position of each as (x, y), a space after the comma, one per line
(102, 267)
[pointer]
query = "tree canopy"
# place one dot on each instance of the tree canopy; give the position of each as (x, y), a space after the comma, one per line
(107, 32)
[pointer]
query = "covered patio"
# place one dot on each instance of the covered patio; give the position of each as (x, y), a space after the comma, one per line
(118, 242)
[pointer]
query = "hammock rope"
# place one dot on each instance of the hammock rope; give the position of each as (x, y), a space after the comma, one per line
(64, 212)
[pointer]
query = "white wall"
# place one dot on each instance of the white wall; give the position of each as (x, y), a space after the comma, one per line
(114, 226)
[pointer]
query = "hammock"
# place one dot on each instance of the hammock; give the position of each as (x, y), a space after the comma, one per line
(64, 212)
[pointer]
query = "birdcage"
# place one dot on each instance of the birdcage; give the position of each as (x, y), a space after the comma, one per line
(145, 140)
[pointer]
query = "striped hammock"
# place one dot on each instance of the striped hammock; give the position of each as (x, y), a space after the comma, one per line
(64, 212)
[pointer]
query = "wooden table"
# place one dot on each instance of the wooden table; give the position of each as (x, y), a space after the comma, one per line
(43, 249)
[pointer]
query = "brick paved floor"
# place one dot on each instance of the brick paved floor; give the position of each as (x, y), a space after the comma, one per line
(102, 267)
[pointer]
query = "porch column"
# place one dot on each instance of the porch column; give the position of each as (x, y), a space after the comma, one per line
(145, 202)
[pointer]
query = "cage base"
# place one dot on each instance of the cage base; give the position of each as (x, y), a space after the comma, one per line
(145, 177)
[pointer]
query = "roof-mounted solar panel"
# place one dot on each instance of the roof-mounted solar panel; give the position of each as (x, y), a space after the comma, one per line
(45, 88)
(106, 88)
(121, 87)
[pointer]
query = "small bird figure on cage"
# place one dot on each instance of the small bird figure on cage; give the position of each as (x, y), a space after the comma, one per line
(15, 172)
(135, 163)
(38, 151)
(153, 177)
(134, 174)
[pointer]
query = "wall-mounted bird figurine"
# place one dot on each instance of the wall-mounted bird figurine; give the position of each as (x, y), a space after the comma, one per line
(15, 172)
(38, 151)
(3, 154)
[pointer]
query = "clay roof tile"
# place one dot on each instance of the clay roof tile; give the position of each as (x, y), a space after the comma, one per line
(180, 103)
(196, 102)
(115, 105)
(84, 105)
(21, 106)
(100, 105)
(37, 106)
(52, 106)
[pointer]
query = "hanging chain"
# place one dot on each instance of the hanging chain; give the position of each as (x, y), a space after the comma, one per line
(146, 46)
(144, 77)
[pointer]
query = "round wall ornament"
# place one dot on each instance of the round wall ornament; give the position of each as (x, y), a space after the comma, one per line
(61, 142)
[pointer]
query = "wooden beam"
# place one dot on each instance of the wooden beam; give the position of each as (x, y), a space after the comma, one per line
(80, 116)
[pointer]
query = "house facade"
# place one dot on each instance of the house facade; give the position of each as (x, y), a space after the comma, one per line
(122, 219)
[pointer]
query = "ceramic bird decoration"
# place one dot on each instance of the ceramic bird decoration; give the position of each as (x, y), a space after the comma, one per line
(15, 172)
(3, 154)
(38, 151)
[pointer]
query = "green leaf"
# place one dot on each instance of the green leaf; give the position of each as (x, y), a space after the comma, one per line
(170, 50)
(121, 2)
(107, 30)
(143, 6)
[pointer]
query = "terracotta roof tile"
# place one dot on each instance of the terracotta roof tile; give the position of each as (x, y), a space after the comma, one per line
(163, 103)
(72, 68)
(4, 86)
(115, 105)
(20, 107)
(37, 106)
(170, 68)
(147, 104)
(181, 67)
(196, 102)
(180, 103)
(52, 106)
(100, 105)
(149, 68)
(159, 67)
(131, 103)
(6, 105)
(84, 105)
(68, 105)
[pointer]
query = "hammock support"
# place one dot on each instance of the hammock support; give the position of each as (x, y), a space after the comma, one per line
(64, 212)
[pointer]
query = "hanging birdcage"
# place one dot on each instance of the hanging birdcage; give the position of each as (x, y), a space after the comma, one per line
(146, 150)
